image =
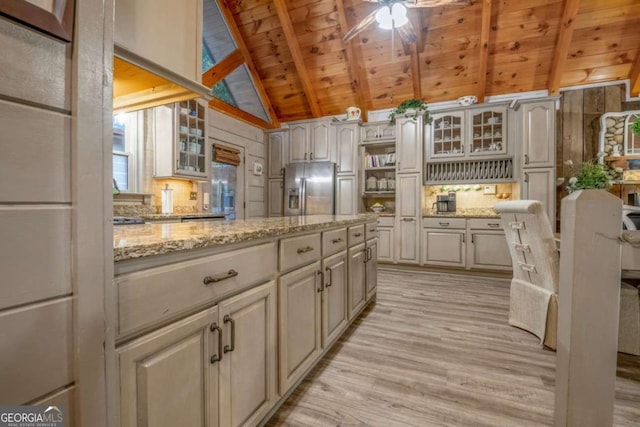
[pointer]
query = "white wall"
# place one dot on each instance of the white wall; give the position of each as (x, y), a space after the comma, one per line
(228, 129)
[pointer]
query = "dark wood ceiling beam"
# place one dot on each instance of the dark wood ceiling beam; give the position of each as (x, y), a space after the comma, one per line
(237, 113)
(484, 50)
(222, 69)
(296, 54)
(415, 72)
(565, 33)
(242, 47)
(354, 61)
(415, 17)
(634, 77)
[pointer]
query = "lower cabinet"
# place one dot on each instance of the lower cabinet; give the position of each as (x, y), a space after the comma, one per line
(472, 243)
(371, 268)
(488, 249)
(275, 197)
(408, 241)
(442, 247)
(248, 364)
(299, 322)
(540, 184)
(184, 373)
(385, 244)
(334, 297)
(356, 284)
(346, 197)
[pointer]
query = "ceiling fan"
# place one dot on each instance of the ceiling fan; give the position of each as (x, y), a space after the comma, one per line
(393, 14)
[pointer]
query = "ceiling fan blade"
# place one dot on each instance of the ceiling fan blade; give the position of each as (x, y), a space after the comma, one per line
(366, 21)
(433, 3)
(407, 33)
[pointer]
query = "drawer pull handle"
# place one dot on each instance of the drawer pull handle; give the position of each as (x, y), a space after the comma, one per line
(357, 235)
(493, 224)
(409, 219)
(338, 240)
(372, 230)
(305, 250)
(228, 348)
(217, 357)
(444, 224)
(330, 282)
(228, 275)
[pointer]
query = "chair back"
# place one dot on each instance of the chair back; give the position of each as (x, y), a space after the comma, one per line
(531, 242)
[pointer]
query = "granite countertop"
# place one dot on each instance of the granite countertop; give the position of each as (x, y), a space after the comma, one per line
(464, 213)
(136, 241)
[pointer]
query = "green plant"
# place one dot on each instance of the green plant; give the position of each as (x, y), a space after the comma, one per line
(635, 128)
(592, 175)
(417, 106)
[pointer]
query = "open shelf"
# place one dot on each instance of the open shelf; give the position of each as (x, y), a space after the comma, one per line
(381, 168)
(379, 194)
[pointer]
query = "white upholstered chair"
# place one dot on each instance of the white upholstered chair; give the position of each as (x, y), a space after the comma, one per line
(533, 304)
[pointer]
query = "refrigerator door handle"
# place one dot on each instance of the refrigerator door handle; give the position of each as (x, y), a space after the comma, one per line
(303, 196)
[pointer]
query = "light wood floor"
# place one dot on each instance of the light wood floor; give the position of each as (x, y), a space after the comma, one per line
(436, 350)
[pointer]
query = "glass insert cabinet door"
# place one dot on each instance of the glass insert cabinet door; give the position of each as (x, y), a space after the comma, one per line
(191, 159)
(447, 135)
(488, 132)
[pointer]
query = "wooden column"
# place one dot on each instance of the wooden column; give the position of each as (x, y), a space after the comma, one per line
(588, 304)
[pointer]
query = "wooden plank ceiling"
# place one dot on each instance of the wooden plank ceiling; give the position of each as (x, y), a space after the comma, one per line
(482, 48)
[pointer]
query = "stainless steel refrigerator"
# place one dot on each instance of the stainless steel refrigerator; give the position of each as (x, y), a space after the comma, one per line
(309, 188)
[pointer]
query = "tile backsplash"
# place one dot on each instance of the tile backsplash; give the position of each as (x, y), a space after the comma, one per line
(469, 196)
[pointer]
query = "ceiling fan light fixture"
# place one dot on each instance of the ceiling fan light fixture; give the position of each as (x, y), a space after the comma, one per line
(399, 15)
(384, 18)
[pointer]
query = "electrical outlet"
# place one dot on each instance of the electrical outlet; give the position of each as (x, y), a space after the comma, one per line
(193, 195)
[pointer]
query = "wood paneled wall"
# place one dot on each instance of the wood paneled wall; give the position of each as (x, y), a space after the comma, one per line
(55, 245)
(578, 127)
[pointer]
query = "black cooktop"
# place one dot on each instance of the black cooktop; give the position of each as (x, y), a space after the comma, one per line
(127, 220)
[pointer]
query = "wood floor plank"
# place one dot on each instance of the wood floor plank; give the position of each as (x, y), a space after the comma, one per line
(436, 350)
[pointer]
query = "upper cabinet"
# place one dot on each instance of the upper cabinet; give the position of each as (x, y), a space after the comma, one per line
(378, 131)
(180, 143)
(346, 148)
(276, 148)
(310, 141)
(538, 133)
(170, 40)
(409, 145)
(476, 132)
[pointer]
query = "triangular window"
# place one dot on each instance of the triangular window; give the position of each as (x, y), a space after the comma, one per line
(225, 70)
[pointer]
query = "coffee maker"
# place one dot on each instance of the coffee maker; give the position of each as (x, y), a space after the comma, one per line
(446, 202)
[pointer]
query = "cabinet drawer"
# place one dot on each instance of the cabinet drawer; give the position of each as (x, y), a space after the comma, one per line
(334, 241)
(386, 221)
(150, 296)
(371, 230)
(297, 251)
(485, 223)
(444, 222)
(356, 235)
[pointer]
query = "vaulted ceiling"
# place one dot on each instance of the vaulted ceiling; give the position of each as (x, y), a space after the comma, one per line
(482, 48)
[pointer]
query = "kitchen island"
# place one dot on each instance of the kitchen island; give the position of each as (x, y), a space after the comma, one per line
(212, 308)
